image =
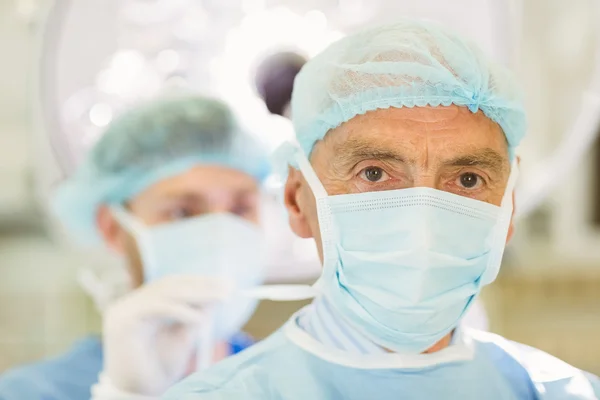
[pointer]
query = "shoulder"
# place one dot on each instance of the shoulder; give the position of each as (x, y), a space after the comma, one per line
(68, 376)
(242, 376)
(545, 373)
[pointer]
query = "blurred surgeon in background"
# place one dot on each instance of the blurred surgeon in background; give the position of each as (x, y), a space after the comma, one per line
(174, 187)
(403, 174)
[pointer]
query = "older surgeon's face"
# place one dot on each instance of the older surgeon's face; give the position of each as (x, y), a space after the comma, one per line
(445, 148)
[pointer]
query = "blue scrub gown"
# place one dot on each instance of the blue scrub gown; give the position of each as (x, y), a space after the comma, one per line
(69, 376)
(291, 365)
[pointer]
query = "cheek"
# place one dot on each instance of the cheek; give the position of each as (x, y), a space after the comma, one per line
(496, 193)
(338, 182)
(146, 212)
(496, 198)
(254, 216)
(307, 203)
(308, 207)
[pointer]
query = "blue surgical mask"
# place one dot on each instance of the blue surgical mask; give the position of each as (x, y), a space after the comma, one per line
(404, 266)
(217, 245)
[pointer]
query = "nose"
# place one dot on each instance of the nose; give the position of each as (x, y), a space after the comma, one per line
(219, 207)
(425, 179)
(220, 201)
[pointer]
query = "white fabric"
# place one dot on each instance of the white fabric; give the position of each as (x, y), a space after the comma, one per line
(105, 390)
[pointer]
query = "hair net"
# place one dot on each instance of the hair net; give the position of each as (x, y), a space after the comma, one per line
(406, 64)
(150, 143)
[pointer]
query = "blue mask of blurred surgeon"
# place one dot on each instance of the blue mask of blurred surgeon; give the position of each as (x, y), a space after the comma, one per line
(219, 245)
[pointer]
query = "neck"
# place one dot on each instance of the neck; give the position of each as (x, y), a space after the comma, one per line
(442, 344)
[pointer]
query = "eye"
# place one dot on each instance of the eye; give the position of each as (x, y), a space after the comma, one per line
(245, 205)
(239, 209)
(373, 174)
(181, 213)
(242, 210)
(470, 180)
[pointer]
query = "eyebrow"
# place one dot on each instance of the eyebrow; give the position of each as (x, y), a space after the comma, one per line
(188, 196)
(181, 196)
(353, 150)
(484, 158)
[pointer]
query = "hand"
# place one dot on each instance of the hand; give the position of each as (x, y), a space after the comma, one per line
(151, 334)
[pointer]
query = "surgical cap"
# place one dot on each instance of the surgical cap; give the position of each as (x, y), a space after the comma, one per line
(156, 141)
(406, 64)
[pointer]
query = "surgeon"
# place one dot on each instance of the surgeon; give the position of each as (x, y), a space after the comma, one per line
(174, 187)
(274, 83)
(404, 175)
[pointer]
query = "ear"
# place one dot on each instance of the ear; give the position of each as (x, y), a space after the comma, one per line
(292, 194)
(113, 235)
